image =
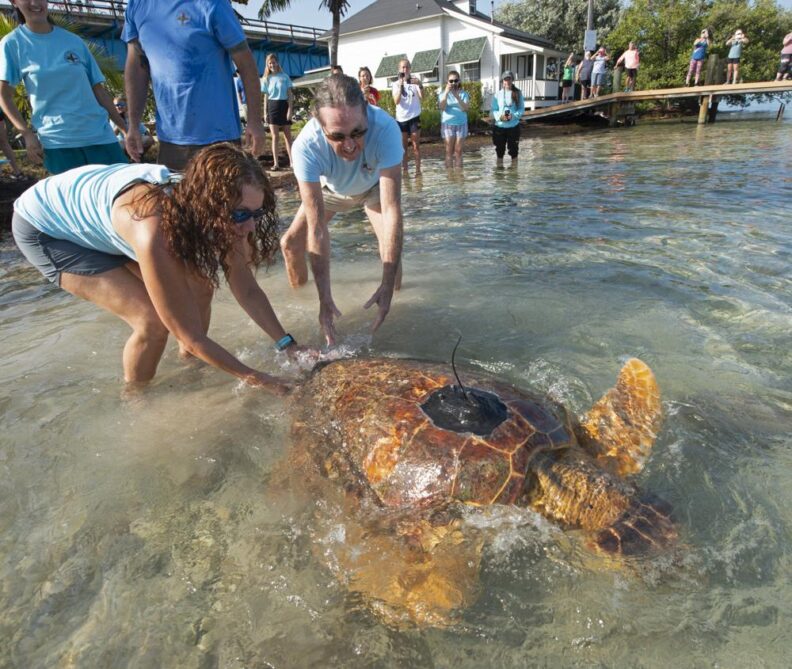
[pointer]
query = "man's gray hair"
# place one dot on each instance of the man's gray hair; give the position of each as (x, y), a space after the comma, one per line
(338, 90)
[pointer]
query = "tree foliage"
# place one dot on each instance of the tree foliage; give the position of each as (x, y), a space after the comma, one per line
(337, 8)
(665, 30)
(563, 22)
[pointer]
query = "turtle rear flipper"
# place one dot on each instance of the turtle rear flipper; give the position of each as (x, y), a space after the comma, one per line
(620, 429)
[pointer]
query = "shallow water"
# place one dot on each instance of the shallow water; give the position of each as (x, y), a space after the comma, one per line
(157, 530)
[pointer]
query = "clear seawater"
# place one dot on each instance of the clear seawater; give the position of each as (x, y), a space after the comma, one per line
(157, 530)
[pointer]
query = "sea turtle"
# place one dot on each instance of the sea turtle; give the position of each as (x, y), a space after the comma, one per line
(408, 446)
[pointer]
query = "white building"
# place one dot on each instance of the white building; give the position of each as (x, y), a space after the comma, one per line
(441, 35)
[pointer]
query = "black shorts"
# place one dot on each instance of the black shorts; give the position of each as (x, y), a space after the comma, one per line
(276, 112)
(733, 61)
(786, 63)
(410, 126)
(52, 256)
(586, 83)
(632, 72)
(565, 83)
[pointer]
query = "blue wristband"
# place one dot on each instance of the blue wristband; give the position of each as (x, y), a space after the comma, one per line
(284, 342)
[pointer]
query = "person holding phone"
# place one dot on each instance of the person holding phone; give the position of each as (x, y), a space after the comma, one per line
(407, 94)
(453, 103)
(508, 106)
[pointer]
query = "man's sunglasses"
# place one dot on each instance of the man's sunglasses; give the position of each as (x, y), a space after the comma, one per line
(453, 81)
(340, 136)
(240, 216)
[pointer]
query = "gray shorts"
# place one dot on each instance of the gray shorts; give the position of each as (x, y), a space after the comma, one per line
(338, 203)
(448, 131)
(52, 256)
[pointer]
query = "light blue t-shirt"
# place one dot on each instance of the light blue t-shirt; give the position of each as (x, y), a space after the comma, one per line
(501, 101)
(453, 113)
(187, 45)
(276, 86)
(76, 204)
(736, 50)
(59, 74)
(314, 158)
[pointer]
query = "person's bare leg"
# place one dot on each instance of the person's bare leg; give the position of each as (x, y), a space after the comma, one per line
(122, 293)
(405, 136)
(288, 140)
(274, 131)
(5, 146)
(736, 79)
(416, 142)
(375, 218)
(458, 151)
(294, 246)
(449, 152)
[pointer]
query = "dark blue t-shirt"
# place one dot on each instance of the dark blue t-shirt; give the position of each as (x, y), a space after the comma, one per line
(187, 44)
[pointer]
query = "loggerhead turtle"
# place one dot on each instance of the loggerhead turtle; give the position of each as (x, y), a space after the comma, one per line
(406, 446)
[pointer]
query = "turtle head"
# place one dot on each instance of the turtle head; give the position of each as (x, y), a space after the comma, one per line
(461, 409)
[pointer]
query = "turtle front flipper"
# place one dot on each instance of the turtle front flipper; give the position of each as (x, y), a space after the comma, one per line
(423, 574)
(620, 429)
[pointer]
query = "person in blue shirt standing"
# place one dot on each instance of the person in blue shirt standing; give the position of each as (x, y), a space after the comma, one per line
(453, 103)
(277, 90)
(508, 106)
(70, 106)
(735, 44)
(346, 157)
(188, 50)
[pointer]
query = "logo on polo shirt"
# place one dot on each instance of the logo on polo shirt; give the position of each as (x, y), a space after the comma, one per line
(183, 19)
(72, 58)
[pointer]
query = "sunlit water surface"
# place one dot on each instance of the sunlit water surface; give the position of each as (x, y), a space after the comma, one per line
(155, 531)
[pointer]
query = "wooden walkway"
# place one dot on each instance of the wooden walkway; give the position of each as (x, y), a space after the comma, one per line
(614, 101)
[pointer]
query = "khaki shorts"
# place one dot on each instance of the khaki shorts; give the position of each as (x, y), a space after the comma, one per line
(339, 203)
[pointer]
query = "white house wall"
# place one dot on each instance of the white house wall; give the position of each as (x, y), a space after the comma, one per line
(369, 47)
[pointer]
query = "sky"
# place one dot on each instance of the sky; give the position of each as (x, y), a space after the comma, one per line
(307, 12)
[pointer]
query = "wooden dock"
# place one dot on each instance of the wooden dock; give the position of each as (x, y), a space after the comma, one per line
(615, 102)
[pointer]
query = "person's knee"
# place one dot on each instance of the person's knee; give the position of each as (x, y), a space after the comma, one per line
(150, 328)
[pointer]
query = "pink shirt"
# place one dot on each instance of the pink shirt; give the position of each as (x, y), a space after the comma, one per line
(631, 59)
(787, 44)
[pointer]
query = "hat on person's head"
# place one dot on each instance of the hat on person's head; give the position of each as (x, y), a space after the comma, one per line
(507, 74)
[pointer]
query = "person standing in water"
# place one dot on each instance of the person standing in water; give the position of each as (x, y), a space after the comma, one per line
(508, 106)
(407, 94)
(453, 103)
(150, 249)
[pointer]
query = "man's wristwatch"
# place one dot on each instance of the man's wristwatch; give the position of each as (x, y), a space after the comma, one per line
(284, 342)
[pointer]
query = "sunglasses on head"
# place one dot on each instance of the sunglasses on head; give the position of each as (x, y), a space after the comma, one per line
(240, 216)
(340, 136)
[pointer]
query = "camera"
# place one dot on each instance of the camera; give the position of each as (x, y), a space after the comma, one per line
(506, 113)
(401, 75)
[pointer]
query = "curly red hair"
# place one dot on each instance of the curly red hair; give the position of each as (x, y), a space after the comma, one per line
(195, 212)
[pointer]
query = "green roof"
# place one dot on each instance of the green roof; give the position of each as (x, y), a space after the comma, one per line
(466, 51)
(389, 66)
(425, 61)
(312, 78)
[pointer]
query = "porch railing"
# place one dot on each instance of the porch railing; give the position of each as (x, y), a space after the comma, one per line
(533, 89)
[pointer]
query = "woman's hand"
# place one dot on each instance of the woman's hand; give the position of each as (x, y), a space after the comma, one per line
(271, 384)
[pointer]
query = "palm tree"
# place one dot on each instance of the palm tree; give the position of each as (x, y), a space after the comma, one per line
(337, 8)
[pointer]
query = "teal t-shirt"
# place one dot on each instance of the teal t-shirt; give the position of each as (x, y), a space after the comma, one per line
(315, 160)
(276, 86)
(453, 114)
(59, 73)
(76, 205)
(501, 101)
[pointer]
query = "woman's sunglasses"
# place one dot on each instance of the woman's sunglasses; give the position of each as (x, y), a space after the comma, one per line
(240, 216)
(453, 81)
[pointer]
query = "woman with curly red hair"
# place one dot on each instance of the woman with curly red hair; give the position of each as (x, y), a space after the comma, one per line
(149, 248)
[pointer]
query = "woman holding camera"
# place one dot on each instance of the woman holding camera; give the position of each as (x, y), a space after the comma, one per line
(453, 103)
(508, 105)
(369, 92)
(407, 94)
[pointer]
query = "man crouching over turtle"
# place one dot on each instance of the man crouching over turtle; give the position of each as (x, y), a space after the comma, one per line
(349, 155)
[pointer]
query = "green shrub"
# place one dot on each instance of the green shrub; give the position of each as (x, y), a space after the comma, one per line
(386, 101)
(473, 89)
